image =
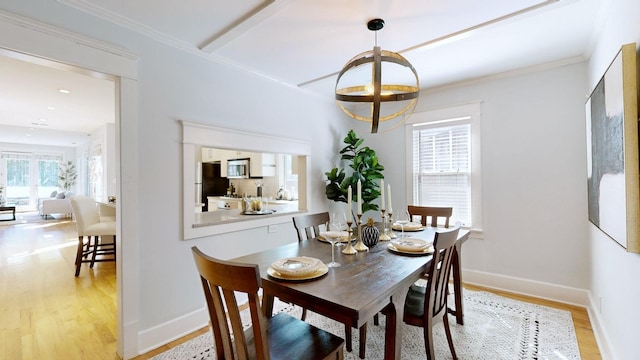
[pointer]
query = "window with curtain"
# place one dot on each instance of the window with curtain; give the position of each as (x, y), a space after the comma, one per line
(443, 156)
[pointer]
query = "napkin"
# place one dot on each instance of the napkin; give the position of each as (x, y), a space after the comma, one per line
(411, 245)
(300, 266)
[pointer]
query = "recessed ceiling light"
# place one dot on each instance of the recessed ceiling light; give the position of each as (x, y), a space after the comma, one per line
(28, 135)
(51, 108)
(42, 119)
(64, 91)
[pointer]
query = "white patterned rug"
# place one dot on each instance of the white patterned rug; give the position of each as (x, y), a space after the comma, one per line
(495, 328)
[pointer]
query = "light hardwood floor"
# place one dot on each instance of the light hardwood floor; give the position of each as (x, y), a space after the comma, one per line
(47, 313)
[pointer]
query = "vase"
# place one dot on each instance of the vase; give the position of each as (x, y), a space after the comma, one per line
(370, 233)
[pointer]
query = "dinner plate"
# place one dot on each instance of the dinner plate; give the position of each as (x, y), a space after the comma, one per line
(427, 251)
(343, 238)
(410, 244)
(321, 270)
(409, 227)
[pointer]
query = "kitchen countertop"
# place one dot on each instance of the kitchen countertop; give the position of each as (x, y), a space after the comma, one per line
(229, 198)
(224, 216)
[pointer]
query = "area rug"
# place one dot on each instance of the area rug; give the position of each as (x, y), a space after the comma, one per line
(495, 328)
(33, 218)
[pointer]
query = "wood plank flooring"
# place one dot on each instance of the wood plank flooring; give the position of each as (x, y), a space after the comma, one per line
(47, 313)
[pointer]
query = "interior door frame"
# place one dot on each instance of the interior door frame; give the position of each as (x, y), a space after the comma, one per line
(29, 39)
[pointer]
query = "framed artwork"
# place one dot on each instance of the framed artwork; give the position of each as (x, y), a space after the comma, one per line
(612, 152)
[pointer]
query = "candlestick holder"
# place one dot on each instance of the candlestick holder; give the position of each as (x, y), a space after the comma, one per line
(360, 246)
(384, 235)
(392, 235)
(349, 249)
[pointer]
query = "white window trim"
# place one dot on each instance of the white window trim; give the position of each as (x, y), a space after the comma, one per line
(433, 116)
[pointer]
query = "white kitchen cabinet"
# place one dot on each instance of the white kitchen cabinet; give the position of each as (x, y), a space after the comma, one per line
(263, 164)
(216, 155)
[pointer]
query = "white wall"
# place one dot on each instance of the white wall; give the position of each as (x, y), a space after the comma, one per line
(533, 174)
(175, 85)
(614, 280)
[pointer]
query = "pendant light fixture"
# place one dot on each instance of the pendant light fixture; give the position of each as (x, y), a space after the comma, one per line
(367, 93)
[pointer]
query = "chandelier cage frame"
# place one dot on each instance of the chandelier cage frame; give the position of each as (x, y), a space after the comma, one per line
(375, 92)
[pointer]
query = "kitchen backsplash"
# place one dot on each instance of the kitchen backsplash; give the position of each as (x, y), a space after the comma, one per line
(270, 186)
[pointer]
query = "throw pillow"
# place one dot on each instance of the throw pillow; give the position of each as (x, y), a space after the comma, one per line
(53, 194)
(60, 195)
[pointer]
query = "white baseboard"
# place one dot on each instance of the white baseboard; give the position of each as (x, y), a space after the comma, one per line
(563, 294)
(599, 330)
(542, 290)
(162, 334)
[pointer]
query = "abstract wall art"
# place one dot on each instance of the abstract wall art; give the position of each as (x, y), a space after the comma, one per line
(612, 152)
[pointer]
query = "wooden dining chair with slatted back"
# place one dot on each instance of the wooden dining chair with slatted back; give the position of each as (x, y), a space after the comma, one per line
(309, 227)
(279, 337)
(427, 305)
(438, 215)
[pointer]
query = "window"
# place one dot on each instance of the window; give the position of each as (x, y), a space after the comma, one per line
(444, 160)
(28, 177)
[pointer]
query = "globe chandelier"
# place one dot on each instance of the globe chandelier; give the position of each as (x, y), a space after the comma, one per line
(367, 93)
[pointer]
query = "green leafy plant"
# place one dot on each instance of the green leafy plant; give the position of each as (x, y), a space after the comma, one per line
(67, 175)
(365, 167)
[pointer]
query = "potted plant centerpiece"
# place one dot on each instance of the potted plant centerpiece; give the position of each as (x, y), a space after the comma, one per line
(364, 166)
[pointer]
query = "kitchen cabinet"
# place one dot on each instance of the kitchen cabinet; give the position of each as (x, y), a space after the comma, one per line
(216, 155)
(263, 164)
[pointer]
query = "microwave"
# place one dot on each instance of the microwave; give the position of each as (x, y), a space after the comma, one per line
(238, 169)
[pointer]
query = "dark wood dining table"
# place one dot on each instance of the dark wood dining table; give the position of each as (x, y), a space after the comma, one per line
(362, 286)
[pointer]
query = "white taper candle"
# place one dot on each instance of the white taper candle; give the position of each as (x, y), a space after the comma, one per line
(359, 198)
(349, 216)
(389, 197)
(382, 194)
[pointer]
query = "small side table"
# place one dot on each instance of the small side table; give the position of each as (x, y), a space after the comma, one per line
(6, 207)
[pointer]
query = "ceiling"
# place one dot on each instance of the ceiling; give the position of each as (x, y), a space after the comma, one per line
(304, 43)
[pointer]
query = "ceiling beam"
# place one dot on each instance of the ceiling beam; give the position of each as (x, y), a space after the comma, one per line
(243, 24)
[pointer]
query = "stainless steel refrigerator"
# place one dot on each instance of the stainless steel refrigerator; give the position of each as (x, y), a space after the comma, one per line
(211, 183)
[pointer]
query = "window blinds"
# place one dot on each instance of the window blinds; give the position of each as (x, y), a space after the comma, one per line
(442, 167)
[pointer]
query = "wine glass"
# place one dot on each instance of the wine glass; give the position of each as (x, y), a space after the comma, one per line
(340, 219)
(333, 236)
(403, 219)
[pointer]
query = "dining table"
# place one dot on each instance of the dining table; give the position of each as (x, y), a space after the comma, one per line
(365, 283)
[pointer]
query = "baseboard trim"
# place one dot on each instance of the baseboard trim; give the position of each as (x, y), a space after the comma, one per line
(539, 289)
(162, 334)
(548, 291)
(599, 331)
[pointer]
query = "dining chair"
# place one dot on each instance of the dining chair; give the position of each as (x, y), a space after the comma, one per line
(427, 305)
(435, 213)
(279, 337)
(89, 225)
(308, 227)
